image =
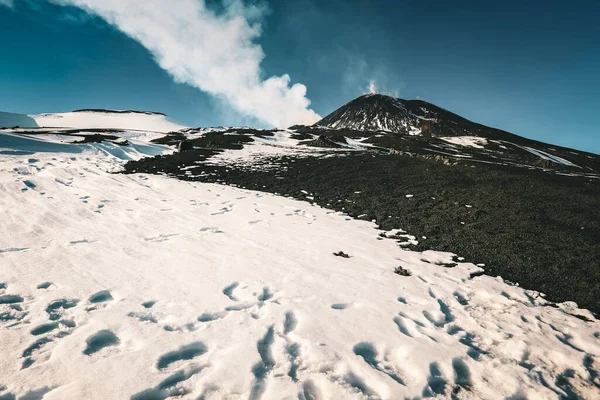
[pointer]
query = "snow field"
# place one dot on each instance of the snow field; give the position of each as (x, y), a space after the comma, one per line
(145, 287)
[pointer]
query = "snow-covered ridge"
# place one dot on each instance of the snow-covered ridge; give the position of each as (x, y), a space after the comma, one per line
(107, 111)
(108, 119)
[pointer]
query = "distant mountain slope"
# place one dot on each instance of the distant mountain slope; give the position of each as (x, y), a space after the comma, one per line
(9, 120)
(377, 112)
(108, 119)
(389, 122)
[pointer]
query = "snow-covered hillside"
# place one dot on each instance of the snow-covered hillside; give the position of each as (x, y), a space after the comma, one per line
(9, 120)
(146, 287)
(107, 119)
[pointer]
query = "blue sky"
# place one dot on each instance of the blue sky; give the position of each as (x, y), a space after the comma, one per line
(531, 68)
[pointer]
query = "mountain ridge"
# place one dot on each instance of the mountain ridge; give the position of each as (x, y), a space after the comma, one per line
(443, 123)
(390, 121)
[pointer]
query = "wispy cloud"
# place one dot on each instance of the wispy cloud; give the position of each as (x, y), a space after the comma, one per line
(215, 52)
(7, 3)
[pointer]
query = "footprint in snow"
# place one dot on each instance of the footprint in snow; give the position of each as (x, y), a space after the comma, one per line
(310, 391)
(290, 323)
(470, 340)
(82, 241)
(143, 316)
(209, 317)
(12, 312)
(99, 341)
(211, 230)
(412, 329)
(44, 328)
(462, 299)
(292, 349)
(57, 308)
(446, 317)
(228, 291)
(169, 387)
(436, 382)
(402, 326)
(39, 350)
(240, 307)
(462, 373)
(149, 304)
(28, 185)
(160, 238)
(11, 299)
(368, 353)
(266, 364)
(97, 299)
(184, 353)
(223, 210)
(37, 394)
(14, 250)
(341, 306)
(267, 294)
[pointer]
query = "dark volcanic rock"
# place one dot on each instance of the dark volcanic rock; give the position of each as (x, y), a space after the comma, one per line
(402, 271)
(185, 145)
(341, 254)
(325, 141)
(99, 138)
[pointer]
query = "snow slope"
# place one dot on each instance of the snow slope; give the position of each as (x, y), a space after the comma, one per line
(468, 141)
(145, 287)
(8, 120)
(106, 119)
(14, 144)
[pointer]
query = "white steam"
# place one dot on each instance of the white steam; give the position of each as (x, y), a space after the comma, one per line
(210, 51)
(372, 87)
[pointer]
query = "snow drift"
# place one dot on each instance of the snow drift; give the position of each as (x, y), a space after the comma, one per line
(108, 119)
